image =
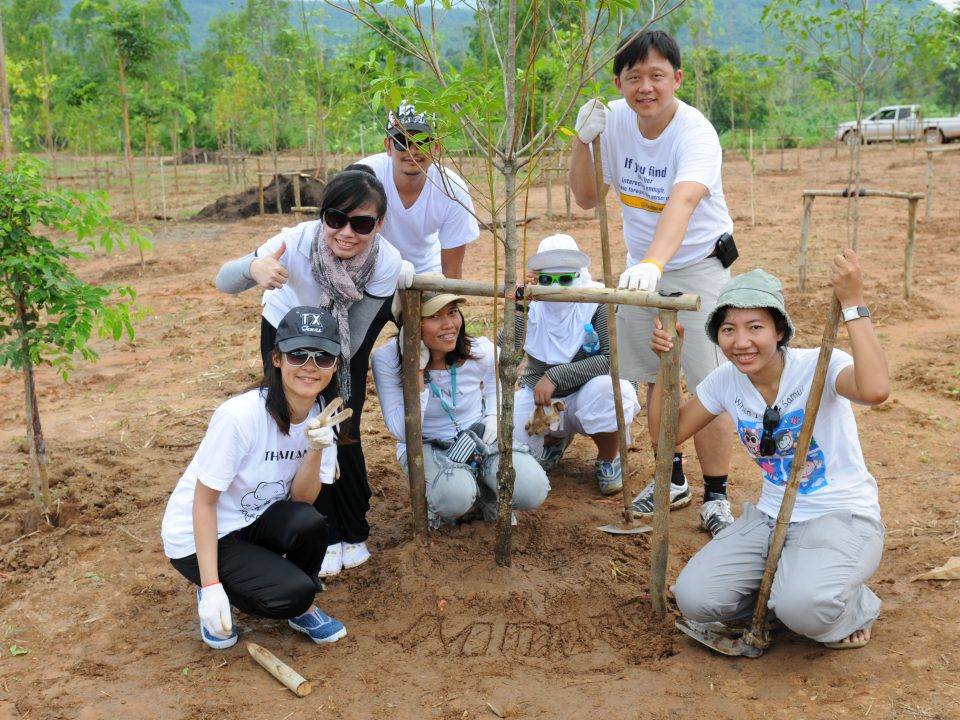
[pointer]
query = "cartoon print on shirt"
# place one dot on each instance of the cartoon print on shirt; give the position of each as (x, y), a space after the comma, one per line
(776, 468)
(267, 493)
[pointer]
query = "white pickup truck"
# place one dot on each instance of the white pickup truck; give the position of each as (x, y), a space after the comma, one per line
(900, 122)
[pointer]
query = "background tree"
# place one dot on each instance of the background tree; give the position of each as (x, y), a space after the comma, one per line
(47, 313)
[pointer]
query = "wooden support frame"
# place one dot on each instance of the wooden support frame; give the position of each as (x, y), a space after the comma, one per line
(668, 306)
(930, 153)
(912, 198)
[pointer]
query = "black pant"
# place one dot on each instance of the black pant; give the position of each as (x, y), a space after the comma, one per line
(256, 576)
(345, 503)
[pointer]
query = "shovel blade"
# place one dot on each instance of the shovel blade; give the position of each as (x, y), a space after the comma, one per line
(719, 637)
(635, 529)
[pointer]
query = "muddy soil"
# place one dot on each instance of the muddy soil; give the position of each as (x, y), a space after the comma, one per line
(107, 629)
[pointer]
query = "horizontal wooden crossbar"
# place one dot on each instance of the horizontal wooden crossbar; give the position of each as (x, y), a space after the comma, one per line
(559, 294)
(866, 193)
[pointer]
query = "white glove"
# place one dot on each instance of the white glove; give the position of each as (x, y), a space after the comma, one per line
(489, 430)
(424, 351)
(214, 610)
(642, 276)
(405, 279)
(319, 436)
(591, 120)
(319, 431)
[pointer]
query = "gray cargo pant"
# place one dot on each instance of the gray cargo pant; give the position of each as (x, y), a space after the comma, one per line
(452, 487)
(818, 590)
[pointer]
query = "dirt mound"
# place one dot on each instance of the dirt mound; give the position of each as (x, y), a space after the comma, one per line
(247, 203)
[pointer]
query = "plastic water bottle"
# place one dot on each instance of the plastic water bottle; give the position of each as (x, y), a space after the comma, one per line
(591, 341)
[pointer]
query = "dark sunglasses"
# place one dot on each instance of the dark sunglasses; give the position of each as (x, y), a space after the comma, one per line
(771, 419)
(322, 360)
(562, 279)
(361, 224)
(402, 143)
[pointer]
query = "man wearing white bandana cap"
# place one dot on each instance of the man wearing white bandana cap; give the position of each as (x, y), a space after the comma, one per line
(561, 366)
(429, 210)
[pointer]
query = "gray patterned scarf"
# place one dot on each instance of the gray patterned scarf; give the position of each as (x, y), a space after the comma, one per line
(341, 284)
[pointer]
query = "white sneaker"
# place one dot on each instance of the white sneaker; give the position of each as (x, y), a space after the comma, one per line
(355, 554)
(332, 561)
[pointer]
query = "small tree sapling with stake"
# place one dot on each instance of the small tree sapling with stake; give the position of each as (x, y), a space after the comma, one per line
(47, 313)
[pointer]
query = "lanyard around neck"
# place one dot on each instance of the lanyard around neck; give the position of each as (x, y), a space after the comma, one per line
(453, 394)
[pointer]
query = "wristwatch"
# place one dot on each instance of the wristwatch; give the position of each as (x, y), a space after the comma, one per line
(852, 313)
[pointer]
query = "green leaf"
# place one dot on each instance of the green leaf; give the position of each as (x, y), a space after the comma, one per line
(18, 650)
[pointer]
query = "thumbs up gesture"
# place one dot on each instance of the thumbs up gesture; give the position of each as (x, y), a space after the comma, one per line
(267, 271)
(319, 431)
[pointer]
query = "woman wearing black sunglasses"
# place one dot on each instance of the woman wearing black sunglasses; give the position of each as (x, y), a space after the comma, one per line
(343, 264)
(835, 537)
(241, 523)
(563, 365)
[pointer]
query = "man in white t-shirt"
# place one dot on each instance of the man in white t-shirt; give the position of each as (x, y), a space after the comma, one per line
(663, 157)
(429, 216)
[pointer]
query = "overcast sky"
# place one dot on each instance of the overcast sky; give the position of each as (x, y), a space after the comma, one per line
(948, 4)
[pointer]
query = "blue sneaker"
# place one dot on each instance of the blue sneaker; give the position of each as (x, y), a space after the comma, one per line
(319, 626)
(219, 643)
(609, 476)
(550, 456)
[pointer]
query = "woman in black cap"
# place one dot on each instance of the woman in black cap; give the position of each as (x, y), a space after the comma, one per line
(343, 264)
(241, 522)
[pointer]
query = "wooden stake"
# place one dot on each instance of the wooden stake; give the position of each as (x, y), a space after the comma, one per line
(296, 197)
(911, 240)
(612, 329)
(290, 678)
(666, 443)
(260, 187)
(929, 193)
(804, 239)
(411, 412)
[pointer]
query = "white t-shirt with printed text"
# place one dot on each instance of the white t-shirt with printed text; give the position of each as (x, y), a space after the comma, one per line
(440, 219)
(835, 476)
(643, 172)
(245, 456)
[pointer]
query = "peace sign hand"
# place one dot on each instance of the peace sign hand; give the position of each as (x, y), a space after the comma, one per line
(319, 431)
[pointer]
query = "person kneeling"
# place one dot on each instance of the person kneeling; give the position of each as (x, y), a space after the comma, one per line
(568, 360)
(241, 522)
(458, 401)
(835, 537)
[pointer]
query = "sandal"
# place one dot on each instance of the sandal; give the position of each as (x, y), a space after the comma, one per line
(841, 645)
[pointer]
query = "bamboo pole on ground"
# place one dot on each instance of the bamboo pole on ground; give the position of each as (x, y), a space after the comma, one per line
(612, 329)
(291, 679)
(411, 413)
(666, 442)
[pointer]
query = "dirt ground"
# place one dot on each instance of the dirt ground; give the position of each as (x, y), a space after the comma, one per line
(437, 629)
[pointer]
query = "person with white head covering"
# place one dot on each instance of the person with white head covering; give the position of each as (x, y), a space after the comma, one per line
(562, 366)
(458, 413)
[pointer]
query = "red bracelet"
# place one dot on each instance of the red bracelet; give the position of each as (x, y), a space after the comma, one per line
(204, 587)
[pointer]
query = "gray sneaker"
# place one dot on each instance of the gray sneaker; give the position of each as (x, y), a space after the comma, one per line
(550, 456)
(715, 513)
(609, 475)
(643, 503)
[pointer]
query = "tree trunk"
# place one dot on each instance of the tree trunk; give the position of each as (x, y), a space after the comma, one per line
(39, 483)
(128, 153)
(5, 98)
(506, 475)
